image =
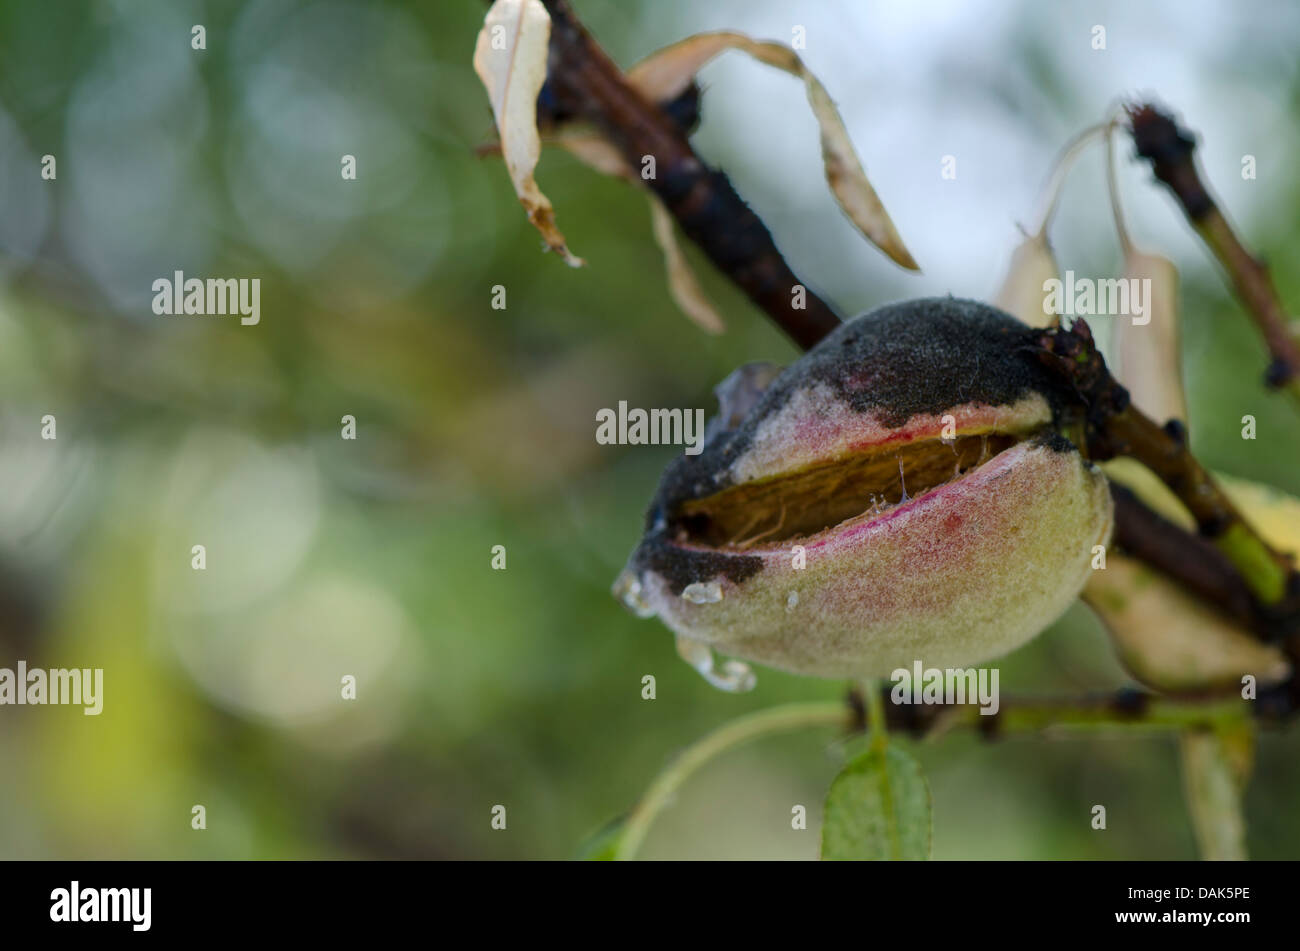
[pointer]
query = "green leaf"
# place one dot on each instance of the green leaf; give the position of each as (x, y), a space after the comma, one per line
(878, 808)
(603, 845)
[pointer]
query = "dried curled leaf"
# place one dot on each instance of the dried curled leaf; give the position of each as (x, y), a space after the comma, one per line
(1170, 641)
(665, 74)
(510, 59)
(1023, 292)
(1165, 638)
(597, 152)
(594, 150)
(1272, 512)
(1147, 348)
(682, 284)
(1150, 489)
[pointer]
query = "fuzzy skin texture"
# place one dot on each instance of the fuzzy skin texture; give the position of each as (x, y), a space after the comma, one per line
(890, 374)
(964, 573)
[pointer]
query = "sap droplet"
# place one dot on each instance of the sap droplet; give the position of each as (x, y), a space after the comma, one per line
(703, 592)
(627, 588)
(735, 676)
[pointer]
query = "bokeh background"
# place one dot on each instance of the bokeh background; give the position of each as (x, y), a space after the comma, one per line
(476, 426)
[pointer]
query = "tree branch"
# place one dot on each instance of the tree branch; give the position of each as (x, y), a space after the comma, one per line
(1124, 709)
(1115, 427)
(1170, 149)
(586, 83)
(1189, 559)
(1129, 710)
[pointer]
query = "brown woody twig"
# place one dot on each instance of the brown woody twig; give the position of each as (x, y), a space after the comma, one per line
(1123, 708)
(1115, 427)
(586, 83)
(1170, 150)
(1191, 560)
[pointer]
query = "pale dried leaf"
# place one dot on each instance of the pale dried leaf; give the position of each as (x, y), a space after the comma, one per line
(594, 150)
(1213, 794)
(1274, 514)
(589, 146)
(848, 180)
(1147, 353)
(513, 77)
(1150, 488)
(666, 73)
(597, 152)
(682, 284)
(1023, 293)
(1169, 640)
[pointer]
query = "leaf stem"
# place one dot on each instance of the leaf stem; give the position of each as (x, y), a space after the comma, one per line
(876, 719)
(1155, 715)
(1112, 185)
(1133, 711)
(1051, 194)
(794, 716)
